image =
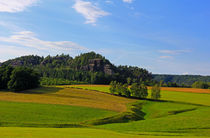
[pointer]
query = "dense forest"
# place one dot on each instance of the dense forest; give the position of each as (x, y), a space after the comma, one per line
(86, 68)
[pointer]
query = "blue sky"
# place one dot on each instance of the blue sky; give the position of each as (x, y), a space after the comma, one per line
(163, 36)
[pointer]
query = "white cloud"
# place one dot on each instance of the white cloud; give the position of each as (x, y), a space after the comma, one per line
(29, 40)
(128, 1)
(15, 5)
(89, 10)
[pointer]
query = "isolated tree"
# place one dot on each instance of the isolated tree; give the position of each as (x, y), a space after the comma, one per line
(23, 78)
(139, 90)
(155, 92)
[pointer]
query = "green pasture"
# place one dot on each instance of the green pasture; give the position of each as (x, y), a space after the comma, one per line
(181, 119)
(183, 97)
(46, 115)
(24, 132)
(193, 98)
(177, 114)
(92, 87)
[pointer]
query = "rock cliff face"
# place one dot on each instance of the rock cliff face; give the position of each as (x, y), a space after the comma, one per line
(96, 65)
(17, 63)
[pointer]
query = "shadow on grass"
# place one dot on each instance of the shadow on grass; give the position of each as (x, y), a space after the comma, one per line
(40, 90)
(134, 113)
(12, 124)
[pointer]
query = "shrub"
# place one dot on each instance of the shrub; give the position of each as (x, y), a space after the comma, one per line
(155, 92)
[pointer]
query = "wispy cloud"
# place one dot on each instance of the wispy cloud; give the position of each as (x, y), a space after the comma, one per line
(174, 52)
(109, 2)
(29, 40)
(15, 5)
(13, 51)
(166, 57)
(128, 1)
(89, 10)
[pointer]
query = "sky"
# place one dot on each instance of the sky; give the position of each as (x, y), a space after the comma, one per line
(163, 36)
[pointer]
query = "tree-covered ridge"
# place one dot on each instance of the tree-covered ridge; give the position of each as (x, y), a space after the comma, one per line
(88, 67)
(29, 61)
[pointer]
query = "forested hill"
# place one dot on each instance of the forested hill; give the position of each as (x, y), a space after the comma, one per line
(88, 67)
(187, 80)
(94, 68)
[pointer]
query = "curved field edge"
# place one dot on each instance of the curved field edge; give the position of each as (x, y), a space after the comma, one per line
(188, 121)
(105, 88)
(69, 96)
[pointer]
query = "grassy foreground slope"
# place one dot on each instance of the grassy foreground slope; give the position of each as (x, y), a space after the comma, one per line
(180, 114)
(47, 115)
(13, 132)
(192, 120)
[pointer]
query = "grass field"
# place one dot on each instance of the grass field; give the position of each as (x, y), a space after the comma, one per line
(184, 113)
(178, 114)
(69, 96)
(105, 88)
(11, 132)
(171, 118)
(188, 95)
(46, 115)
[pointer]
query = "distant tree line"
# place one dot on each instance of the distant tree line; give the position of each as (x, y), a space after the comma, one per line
(18, 78)
(180, 80)
(196, 84)
(201, 85)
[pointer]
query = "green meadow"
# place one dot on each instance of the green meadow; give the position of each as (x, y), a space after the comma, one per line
(83, 111)
(46, 115)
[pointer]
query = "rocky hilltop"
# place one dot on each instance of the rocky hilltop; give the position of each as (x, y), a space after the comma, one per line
(97, 65)
(85, 62)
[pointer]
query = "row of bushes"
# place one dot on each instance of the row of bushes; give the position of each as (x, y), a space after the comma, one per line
(136, 90)
(18, 79)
